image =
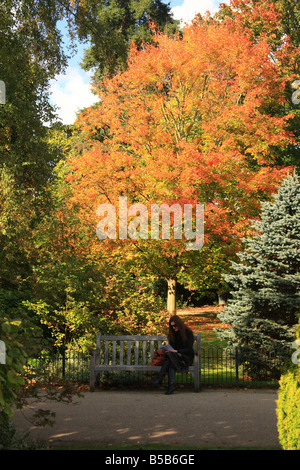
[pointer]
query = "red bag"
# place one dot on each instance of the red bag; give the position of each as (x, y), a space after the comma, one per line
(158, 357)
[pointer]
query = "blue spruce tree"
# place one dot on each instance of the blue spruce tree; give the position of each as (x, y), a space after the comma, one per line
(265, 304)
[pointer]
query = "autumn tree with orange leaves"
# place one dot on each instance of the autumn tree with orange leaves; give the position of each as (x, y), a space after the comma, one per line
(189, 121)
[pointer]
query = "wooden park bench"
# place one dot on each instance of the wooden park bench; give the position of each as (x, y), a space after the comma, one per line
(133, 354)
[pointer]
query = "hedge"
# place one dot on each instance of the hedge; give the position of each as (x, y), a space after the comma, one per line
(288, 407)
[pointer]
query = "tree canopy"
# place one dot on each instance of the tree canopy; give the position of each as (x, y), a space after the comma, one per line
(110, 27)
(207, 109)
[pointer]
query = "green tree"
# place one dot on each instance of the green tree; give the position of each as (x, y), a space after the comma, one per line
(111, 25)
(30, 56)
(265, 307)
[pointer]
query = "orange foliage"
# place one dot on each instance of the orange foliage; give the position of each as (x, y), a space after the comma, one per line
(188, 121)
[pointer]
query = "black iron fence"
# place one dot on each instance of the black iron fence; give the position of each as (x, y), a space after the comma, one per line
(219, 367)
(69, 365)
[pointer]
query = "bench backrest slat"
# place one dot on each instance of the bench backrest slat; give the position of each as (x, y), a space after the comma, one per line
(144, 353)
(128, 352)
(113, 358)
(151, 348)
(137, 351)
(121, 352)
(106, 352)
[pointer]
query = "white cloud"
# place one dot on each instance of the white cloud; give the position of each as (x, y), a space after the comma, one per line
(188, 9)
(71, 92)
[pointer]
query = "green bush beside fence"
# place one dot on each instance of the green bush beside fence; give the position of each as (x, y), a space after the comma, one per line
(288, 410)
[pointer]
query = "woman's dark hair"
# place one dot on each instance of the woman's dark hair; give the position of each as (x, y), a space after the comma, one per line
(182, 328)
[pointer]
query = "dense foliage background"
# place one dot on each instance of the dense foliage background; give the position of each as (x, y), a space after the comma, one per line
(201, 114)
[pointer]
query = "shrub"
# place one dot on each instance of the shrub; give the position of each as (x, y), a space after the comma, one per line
(288, 407)
(288, 410)
(11, 379)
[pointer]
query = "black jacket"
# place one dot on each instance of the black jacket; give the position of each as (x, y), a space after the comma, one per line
(184, 347)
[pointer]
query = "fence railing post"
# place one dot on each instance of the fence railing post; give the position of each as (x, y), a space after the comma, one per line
(64, 363)
(199, 351)
(237, 365)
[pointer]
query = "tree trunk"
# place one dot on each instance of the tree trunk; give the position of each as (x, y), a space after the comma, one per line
(171, 302)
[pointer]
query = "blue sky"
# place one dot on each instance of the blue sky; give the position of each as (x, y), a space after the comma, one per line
(71, 92)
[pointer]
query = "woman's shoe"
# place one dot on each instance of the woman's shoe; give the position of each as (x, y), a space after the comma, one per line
(157, 381)
(170, 390)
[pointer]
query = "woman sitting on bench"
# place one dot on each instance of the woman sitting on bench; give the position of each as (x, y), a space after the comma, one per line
(181, 338)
